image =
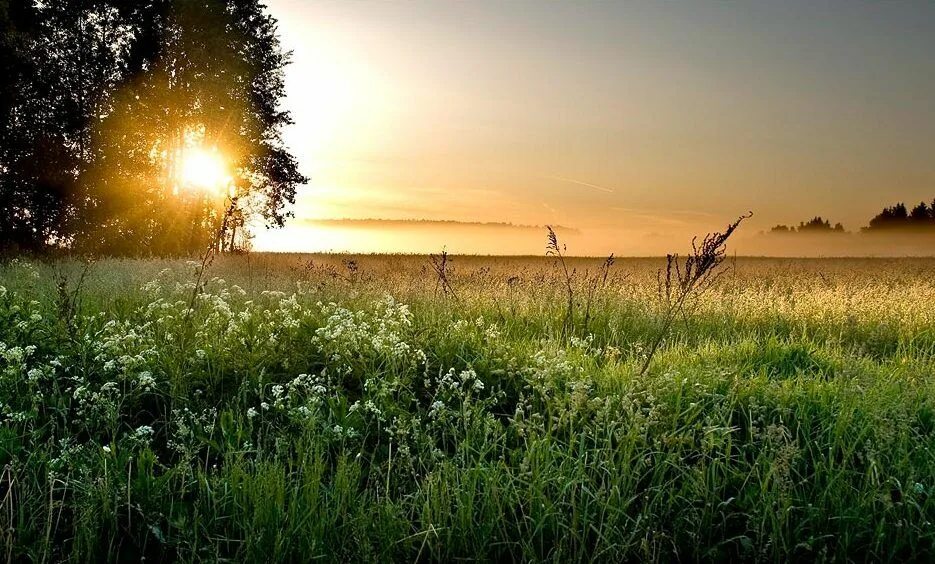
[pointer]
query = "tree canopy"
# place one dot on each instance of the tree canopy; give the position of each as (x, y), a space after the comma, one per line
(109, 102)
(899, 217)
(815, 225)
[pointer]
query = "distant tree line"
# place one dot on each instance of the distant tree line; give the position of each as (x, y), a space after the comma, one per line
(815, 225)
(899, 217)
(895, 218)
(100, 98)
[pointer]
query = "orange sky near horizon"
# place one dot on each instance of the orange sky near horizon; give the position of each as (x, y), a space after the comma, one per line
(637, 124)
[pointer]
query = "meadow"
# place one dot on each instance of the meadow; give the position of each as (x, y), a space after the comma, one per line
(355, 409)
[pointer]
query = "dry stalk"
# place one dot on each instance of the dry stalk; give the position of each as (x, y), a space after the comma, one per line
(207, 257)
(68, 301)
(595, 283)
(689, 277)
(439, 264)
(553, 248)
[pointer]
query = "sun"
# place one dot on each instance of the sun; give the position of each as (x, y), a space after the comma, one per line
(203, 169)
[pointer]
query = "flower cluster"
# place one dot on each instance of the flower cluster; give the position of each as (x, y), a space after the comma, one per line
(361, 342)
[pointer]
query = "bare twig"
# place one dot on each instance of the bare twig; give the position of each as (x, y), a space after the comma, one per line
(595, 283)
(689, 277)
(69, 299)
(207, 257)
(440, 266)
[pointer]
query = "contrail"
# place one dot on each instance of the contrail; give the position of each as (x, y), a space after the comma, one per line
(550, 208)
(588, 184)
(655, 212)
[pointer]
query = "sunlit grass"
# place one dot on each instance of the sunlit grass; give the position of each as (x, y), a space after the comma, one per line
(342, 408)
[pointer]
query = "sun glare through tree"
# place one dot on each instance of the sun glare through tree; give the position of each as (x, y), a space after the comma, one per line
(204, 169)
(420, 281)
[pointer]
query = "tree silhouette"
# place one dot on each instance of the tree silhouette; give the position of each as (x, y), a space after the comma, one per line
(898, 217)
(920, 217)
(102, 99)
(31, 195)
(815, 225)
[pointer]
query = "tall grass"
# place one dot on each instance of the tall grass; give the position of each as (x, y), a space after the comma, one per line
(304, 414)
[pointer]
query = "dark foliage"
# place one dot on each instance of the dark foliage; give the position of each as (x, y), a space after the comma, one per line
(97, 96)
(815, 225)
(899, 217)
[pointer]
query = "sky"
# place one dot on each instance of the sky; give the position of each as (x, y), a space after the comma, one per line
(633, 125)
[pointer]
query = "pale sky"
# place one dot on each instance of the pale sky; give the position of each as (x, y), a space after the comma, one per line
(634, 123)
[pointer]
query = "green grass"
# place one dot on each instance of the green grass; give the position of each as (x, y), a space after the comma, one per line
(302, 413)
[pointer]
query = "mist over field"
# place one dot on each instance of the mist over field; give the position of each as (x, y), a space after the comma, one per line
(425, 237)
(582, 281)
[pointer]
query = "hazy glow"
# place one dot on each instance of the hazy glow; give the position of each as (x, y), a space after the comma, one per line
(638, 123)
(204, 170)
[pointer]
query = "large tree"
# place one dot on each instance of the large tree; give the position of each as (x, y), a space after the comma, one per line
(31, 196)
(121, 91)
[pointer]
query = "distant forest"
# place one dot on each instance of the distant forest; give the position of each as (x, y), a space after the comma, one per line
(921, 218)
